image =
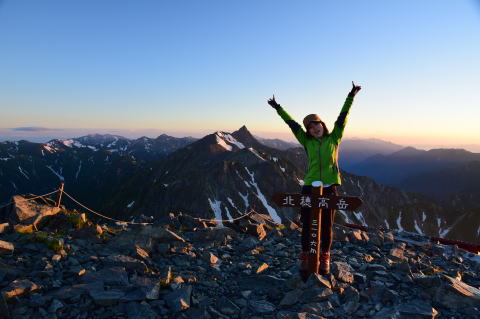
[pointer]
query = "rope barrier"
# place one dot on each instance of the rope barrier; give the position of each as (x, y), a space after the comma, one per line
(221, 220)
(103, 216)
(29, 199)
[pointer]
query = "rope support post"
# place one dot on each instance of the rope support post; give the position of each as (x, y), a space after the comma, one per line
(60, 193)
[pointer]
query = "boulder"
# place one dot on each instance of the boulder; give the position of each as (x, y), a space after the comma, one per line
(179, 299)
(19, 288)
(27, 211)
(6, 248)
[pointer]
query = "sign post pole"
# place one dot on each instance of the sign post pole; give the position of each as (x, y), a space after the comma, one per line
(316, 201)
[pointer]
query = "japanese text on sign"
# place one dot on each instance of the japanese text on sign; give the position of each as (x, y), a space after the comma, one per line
(342, 204)
(305, 201)
(323, 202)
(288, 200)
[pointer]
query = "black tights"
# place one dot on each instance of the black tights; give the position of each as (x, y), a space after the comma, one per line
(326, 221)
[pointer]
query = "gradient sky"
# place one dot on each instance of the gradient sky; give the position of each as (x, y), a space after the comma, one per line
(194, 67)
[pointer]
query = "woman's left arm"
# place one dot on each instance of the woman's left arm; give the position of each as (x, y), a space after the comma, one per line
(339, 127)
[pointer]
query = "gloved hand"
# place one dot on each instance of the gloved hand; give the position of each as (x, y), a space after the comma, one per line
(355, 89)
(274, 103)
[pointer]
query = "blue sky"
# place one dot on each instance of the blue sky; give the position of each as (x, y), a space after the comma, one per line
(194, 67)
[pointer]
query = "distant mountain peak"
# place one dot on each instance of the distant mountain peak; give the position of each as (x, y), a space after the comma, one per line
(245, 137)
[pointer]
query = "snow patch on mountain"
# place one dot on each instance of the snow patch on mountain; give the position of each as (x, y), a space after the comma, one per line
(230, 218)
(215, 205)
(271, 211)
(49, 148)
(226, 141)
(387, 224)
(345, 216)
(71, 142)
(360, 218)
(56, 173)
(222, 143)
(399, 222)
(78, 171)
(23, 172)
(417, 228)
(245, 199)
(254, 151)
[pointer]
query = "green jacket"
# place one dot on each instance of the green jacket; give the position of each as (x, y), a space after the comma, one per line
(322, 154)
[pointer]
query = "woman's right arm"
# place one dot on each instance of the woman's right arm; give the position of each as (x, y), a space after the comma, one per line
(297, 130)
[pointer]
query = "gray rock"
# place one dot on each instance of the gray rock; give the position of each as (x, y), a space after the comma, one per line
(317, 308)
(264, 282)
(150, 286)
(379, 294)
(106, 298)
(4, 227)
(417, 310)
(6, 248)
(26, 212)
(396, 254)
(179, 299)
(317, 280)
(248, 243)
(125, 261)
(342, 271)
(291, 297)
(211, 234)
(261, 306)
(296, 315)
(351, 300)
(136, 310)
(19, 288)
(113, 276)
(55, 305)
(196, 313)
(3, 307)
(455, 294)
(316, 294)
(227, 306)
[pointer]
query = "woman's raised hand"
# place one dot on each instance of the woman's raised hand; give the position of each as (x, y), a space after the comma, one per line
(355, 89)
(273, 103)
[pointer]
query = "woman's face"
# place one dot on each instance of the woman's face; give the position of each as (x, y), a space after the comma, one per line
(315, 129)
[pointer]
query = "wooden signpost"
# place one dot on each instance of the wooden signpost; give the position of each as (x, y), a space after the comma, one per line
(316, 202)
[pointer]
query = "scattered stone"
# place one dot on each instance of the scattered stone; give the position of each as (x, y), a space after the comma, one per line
(55, 305)
(4, 227)
(261, 307)
(179, 299)
(226, 306)
(6, 247)
(418, 310)
(212, 259)
(256, 230)
(18, 288)
(262, 267)
(342, 271)
(291, 297)
(140, 310)
(317, 280)
(106, 298)
(128, 262)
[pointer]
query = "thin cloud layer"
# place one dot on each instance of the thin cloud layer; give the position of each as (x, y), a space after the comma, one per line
(34, 129)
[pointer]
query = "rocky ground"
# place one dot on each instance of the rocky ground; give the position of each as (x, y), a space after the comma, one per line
(68, 267)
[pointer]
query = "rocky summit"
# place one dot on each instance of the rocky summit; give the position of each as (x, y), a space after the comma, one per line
(69, 267)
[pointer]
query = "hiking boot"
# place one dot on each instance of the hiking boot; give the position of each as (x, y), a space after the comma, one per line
(324, 267)
(303, 267)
